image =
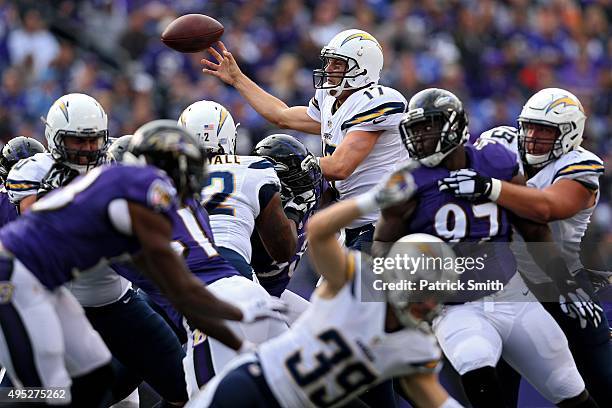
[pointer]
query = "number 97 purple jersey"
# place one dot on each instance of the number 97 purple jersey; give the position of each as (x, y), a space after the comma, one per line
(87, 222)
(458, 220)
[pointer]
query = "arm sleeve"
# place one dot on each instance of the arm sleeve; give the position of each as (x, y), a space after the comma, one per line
(586, 172)
(314, 111)
(266, 192)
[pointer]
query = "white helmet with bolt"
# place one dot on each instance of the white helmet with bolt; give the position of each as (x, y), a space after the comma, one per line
(364, 61)
(212, 125)
(81, 116)
(557, 108)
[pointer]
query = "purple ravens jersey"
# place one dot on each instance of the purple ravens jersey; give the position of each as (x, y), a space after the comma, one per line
(192, 238)
(275, 276)
(8, 211)
(458, 220)
(75, 228)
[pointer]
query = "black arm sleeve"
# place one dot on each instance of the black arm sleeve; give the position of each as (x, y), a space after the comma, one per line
(266, 192)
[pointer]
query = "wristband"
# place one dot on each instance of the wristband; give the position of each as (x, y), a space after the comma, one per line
(496, 187)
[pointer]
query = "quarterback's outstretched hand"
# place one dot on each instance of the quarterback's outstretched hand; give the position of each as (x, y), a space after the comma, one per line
(269, 308)
(226, 68)
(467, 183)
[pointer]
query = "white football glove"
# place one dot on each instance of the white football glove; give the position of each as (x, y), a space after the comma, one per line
(398, 187)
(311, 162)
(259, 309)
(467, 183)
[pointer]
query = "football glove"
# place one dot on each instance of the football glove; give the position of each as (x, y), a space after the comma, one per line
(398, 187)
(311, 162)
(577, 299)
(468, 184)
(297, 207)
(259, 309)
(58, 176)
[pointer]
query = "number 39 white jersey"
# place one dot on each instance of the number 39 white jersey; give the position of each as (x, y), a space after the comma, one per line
(378, 108)
(232, 199)
(338, 347)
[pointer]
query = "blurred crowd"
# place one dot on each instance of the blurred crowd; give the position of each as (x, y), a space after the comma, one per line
(492, 54)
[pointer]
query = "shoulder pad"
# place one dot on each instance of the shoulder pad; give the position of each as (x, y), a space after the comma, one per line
(25, 177)
(374, 105)
(495, 159)
(578, 162)
(261, 164)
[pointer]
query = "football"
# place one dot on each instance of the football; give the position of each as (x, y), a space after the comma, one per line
(192, 33)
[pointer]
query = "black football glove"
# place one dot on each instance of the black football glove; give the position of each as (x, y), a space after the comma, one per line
(297, 207)
(59, 176)
(577, 298)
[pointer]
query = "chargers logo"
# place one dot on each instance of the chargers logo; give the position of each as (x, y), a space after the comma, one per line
(565, 101)
(64, 108)
(222, 118)
(362, 36)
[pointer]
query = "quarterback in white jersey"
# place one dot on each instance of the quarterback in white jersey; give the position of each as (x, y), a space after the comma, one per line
(562, 191)
(342, 345)
(243, 193)
(356, 119)
(375, 109)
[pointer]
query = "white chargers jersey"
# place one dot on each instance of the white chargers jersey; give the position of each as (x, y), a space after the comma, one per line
(584, 167)
(96, 288)
(232, 199)
(377, 108)
(24, 178)
(338, 348)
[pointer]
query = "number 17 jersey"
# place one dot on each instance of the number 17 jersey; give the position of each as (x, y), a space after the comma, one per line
(374, 109)
(239, 188)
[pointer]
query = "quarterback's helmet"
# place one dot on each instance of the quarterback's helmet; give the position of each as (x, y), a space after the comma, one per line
(434, 125)
(212, 125)
(287, 154)
(364, 61)
(16, 149)
(81, 116)
(117, 148)
(557, 108)
(412, 307)
(171, 148)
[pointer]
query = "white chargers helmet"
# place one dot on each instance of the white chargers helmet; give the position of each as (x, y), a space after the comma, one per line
(80, 116)
(363, 56)
(557, 108)
(212, 125)
(432, 260)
